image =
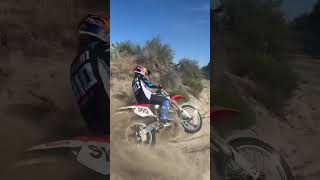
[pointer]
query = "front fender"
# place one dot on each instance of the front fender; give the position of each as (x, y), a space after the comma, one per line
(218, 112)
(177, 97)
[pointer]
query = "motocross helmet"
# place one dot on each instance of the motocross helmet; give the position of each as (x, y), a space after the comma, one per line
(97, 26)
(140, 69)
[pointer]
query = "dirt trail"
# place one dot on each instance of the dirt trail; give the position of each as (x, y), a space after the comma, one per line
(303, 115)
(297, 136)
(184, 156)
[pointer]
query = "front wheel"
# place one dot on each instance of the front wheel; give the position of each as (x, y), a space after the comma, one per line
(193, 124)
(265, 159)
(135, 136)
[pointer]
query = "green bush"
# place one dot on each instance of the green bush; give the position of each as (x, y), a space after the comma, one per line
(258, 50)
(224, 94)
(157, 51)
(195, 86)
(153, 51)
(170, 79)
(158, 57)
(275, 79)
(126, 48)
(190, 68)
(191, 75)
(206, 70)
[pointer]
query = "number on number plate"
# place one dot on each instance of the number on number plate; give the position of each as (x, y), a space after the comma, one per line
(98, 152)
(143, 110)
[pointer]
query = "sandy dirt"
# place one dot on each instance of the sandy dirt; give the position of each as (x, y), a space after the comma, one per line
(183, 156)
(36, 100)
(37, 106)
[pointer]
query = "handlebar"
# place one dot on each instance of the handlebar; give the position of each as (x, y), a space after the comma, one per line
(162, 91)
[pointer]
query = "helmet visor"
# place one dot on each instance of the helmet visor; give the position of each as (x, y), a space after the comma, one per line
(94, 30)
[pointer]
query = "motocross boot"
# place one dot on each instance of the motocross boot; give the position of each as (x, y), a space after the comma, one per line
(166, 122)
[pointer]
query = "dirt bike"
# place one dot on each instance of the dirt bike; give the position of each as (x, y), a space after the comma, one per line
(142, 132)
(238, 158)
(88, 152)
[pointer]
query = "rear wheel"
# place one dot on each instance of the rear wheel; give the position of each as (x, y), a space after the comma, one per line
(265, 159)
(193, 124)
(135, 135)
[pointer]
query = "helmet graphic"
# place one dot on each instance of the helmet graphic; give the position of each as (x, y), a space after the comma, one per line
(140, 69)
(97, 26)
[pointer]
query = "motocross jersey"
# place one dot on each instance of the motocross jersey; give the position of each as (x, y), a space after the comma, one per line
(90, 83)
(144, 96)
(139, 87)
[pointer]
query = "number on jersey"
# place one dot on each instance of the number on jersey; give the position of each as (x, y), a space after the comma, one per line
(84, 79)
(136, 86)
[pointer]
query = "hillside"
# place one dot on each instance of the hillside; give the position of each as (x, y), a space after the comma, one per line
(296, 134)
(180, 157)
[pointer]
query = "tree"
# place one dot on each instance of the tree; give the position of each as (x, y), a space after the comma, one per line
(308, 25)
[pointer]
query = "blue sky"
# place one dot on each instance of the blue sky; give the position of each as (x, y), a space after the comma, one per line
(184, 24)
(294, 8)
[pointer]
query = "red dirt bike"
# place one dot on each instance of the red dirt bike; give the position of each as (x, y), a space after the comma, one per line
(89, 153)
(147, 122)
(245, 157)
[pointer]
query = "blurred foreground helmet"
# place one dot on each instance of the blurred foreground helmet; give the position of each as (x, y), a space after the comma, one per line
(97, 26)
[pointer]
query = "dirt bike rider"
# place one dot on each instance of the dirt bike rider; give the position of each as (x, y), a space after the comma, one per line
(90, 73)
(144, 96)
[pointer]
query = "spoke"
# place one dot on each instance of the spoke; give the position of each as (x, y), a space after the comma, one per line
(263, 164)
(259, 158)
(189, 126)
(254, 159)
(193, 115)
(232, 172)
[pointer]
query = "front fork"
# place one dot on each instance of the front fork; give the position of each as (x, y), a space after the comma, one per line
(180, 109)
(237, 159)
